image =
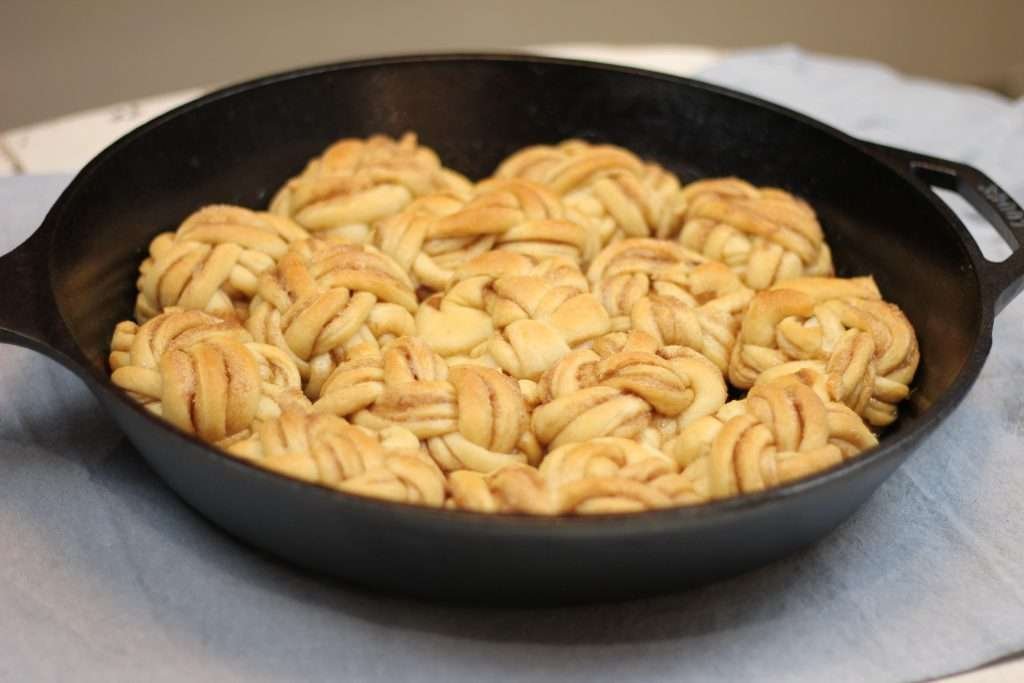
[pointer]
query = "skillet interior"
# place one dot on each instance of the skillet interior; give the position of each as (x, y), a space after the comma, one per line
(240, 146)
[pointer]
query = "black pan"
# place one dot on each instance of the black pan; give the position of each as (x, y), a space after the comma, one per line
(66, 287)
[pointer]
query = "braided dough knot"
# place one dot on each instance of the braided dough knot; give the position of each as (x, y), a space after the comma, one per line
(511, 489)
(143, 345)
(627, 271)
(607, 475)
(602, 476)
(672, 294)
(468, 417)
(359, 381)
(212, 262)
(764, 234)
(438, 234)
(620, 195)
(326, 298)
(627, 394)
(209, 380)
(605, 457)
(782, 431)
(864, 348)
(522, 320)
(326, 450)
(357, 182)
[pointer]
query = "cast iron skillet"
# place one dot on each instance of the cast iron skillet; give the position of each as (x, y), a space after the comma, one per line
(63, 290)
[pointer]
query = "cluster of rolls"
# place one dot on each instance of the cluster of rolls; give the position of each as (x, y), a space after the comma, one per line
(557, 339)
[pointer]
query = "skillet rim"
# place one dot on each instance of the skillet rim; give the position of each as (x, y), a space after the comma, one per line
(651, 521)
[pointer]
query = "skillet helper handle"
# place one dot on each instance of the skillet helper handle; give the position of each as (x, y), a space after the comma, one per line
(28, 310)
(1005, 279)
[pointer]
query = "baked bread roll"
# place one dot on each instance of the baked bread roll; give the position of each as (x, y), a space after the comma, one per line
(466, 417)
(213, 261)
(840, 328)
(436, 235)
(601, 476)
(765, 234)
(621, 195)
(203, 375)
(781, 432)
(512, 489)
(507, 312)
(672, 294)
(356, 182)
(326, 450)
(607, 475)
(326, 297)
(629, 393)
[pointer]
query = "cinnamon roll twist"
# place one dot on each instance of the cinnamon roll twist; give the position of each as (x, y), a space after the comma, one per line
(356, 182)
(325, 298)
(765, 234)
(621, 195)
(213, 261)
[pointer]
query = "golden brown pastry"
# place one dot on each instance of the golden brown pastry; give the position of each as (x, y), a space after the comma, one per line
(605, 496)
(203, 375)
(621, 195)
(600, 476)
(467, 417)
(605, 457)
(511, 489)
(781, 432)
(143, 345)
(326, 450)
(327, 297)
(765, 234)
(607, 475)
(504, 311)
(672, 294)
(631, 394)
(551, 341)
(556, 270)
(840, 328)
(212, 262)
(631, 269)
(436, 235)
(356, 182)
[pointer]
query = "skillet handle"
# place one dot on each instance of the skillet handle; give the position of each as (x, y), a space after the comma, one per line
(1006, 278)
(28, 309)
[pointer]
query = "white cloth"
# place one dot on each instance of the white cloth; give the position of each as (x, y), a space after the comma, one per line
(107, 576)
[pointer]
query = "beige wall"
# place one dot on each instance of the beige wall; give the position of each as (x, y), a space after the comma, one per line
(57, 57)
